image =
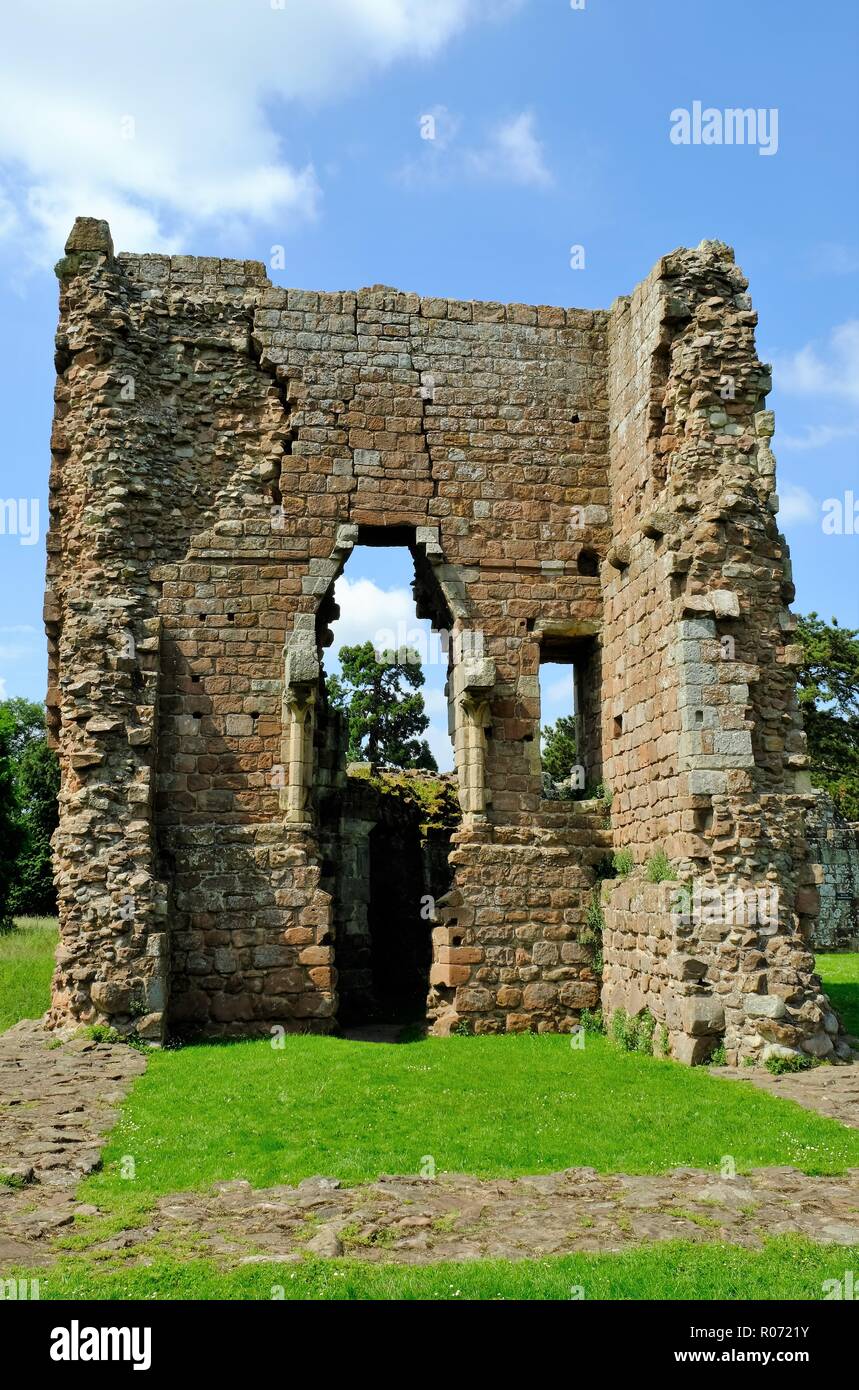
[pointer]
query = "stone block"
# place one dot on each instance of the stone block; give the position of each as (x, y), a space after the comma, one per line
(703, 1016)
(448, 975)
(764, 1006)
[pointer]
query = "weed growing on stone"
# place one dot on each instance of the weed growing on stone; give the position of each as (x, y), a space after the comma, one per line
(622, 862)
(633, 1034)
(658, 868)
(778, 1066)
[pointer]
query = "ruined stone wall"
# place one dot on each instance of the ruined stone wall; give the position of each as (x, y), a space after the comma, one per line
(707, 752)
(570, 485)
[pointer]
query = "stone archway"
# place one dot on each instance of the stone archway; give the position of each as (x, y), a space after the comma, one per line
(385, 835)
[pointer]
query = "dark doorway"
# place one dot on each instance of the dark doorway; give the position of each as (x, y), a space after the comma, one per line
(400, 936)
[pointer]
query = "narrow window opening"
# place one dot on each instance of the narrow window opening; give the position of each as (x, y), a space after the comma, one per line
(570, 755)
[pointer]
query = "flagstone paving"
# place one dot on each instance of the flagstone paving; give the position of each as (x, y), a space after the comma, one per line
(832, 1091)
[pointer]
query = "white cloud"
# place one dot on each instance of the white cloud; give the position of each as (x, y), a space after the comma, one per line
(2, 688)
(513, 153)
(831, 372)
(510, 153)
(796, 505)
(164, 117)
(8, 216)
(818, 436)
(369, 613)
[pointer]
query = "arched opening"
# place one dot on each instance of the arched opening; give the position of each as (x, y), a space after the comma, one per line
(385, 812)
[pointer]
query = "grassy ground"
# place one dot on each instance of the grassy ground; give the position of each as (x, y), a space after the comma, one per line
(840, 976)
(487, 1106)
(786, 1268)
(26, 965)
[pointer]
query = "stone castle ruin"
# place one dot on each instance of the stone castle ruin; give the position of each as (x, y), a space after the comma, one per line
(594, 487)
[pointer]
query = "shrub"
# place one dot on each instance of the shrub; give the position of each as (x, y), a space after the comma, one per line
(622, 862)
(102, 1033)
(718, 1057)
(633, 1034)
(591, 933)
(11, 832)
(591, 1020)
(644, 1030)
(796, 1062)
(603, 795)
(658, 867)
(620, 1028)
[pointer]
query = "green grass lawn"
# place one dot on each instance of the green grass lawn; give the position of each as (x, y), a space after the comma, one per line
(489, 1106)
(26, 966)
(840, 976)
(787, 1268)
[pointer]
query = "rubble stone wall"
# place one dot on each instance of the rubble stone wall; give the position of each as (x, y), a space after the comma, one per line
(706, 753)
(571, 484)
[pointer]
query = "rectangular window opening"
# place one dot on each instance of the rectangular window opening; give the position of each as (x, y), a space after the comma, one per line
(569, 720)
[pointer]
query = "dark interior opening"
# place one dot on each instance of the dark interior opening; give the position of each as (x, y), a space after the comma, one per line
(400, 939)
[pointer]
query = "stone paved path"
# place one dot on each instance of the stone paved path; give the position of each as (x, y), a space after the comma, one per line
(57, 1104)
(833, 1091)
(413, 1220)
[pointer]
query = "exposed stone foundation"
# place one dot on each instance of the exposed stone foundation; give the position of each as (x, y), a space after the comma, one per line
(575, 485)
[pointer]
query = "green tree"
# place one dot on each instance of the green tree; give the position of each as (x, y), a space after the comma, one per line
(828, 692)
(559, 748)
(385, 720)
(29, 723)
(11, 831)
(35, 787)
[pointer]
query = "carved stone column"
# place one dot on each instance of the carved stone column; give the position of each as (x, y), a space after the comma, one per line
(299, 704)
(301, 684)
(473, 681)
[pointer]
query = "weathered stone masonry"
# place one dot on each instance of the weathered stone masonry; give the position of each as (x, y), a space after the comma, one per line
(594, 486)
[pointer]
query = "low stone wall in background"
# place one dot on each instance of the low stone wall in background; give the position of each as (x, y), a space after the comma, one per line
(834, 849)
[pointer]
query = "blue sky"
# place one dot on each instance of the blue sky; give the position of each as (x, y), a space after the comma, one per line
(244, 126)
